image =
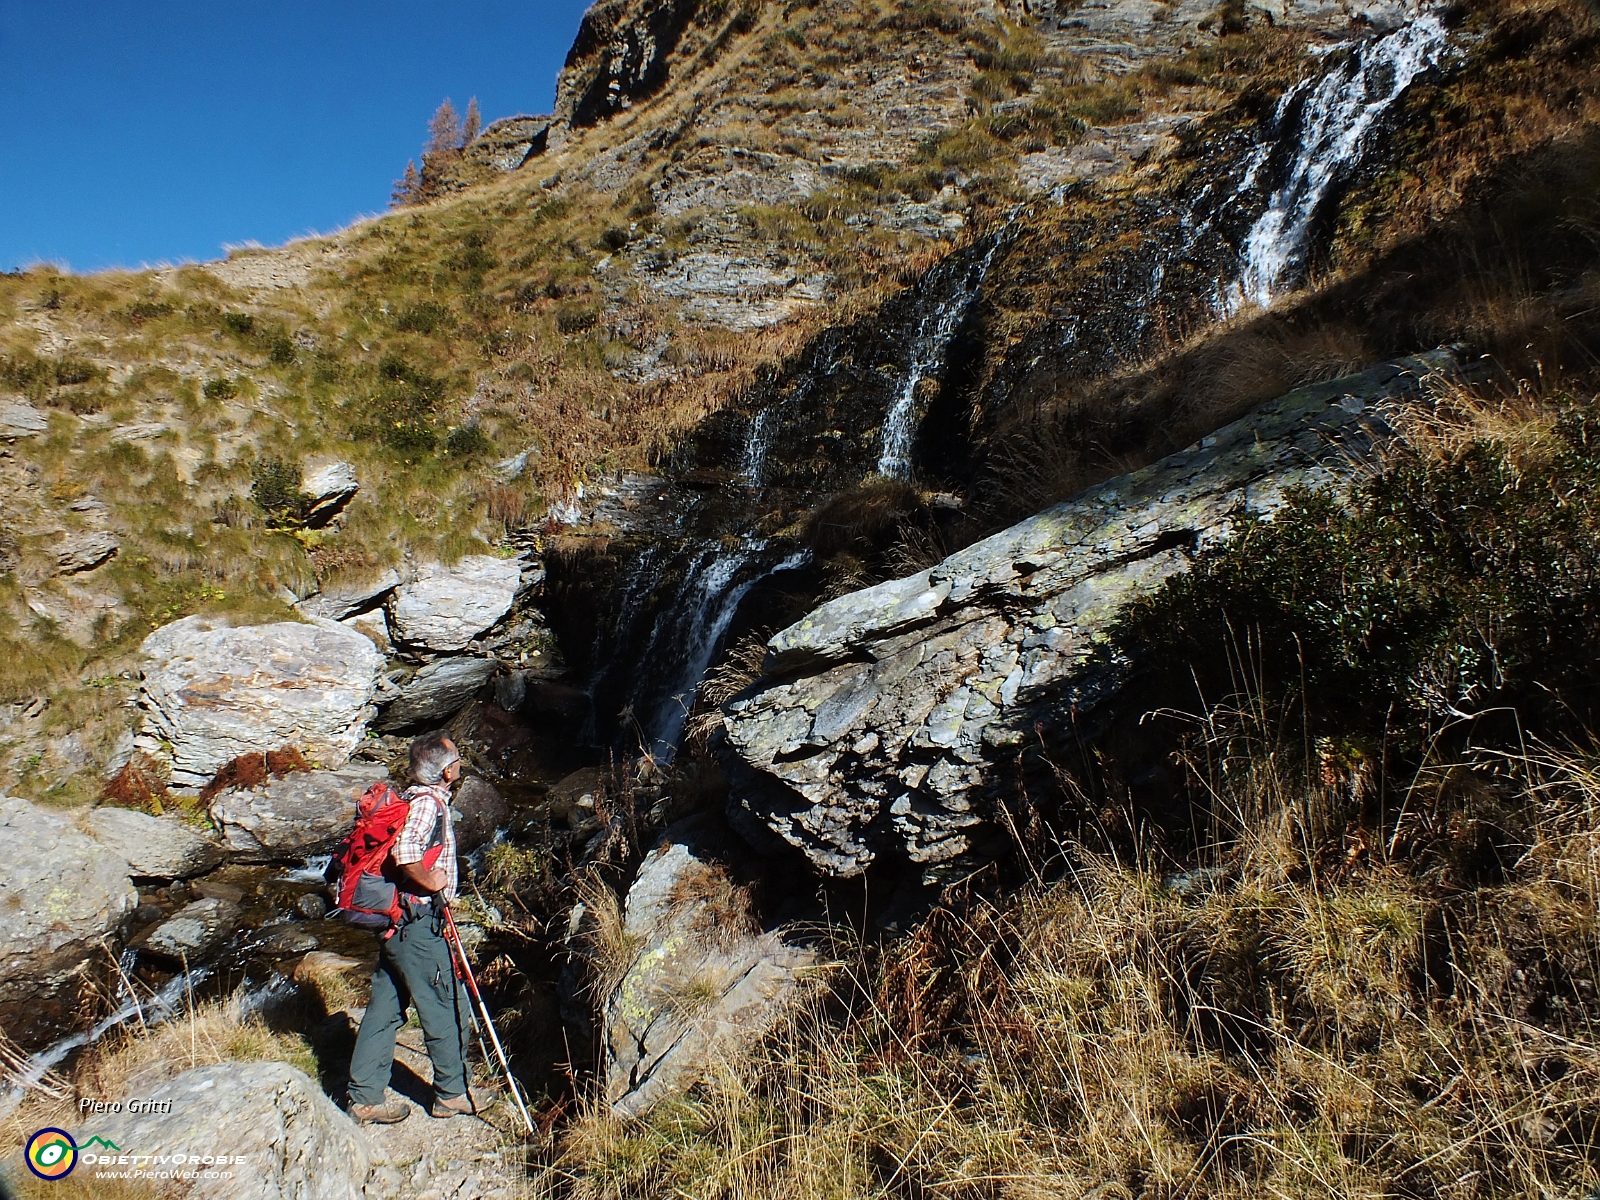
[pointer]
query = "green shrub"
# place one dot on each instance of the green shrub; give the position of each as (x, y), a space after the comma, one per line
(241, 325)
(423, 318)
(221, 389)
(275, 487)
(467, 441)
(1466, 587)
(576, 317)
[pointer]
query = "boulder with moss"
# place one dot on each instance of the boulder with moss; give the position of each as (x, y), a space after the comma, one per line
(884, 714)
(298, 814)
(155, 847)
(698, 974)
(445, 608)
(62, 897)
(213, 691)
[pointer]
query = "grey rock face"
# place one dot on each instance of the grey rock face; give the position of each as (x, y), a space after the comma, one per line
(341, 600)
(305, 812)
(85, 551)
(884, 710)
(446, 607)
(213, 692)
(289, 1140)
(60, 894)
(155, 847)
(192, 933)
(703, 980)
(329, 488)
(437, 691)
(18, 418)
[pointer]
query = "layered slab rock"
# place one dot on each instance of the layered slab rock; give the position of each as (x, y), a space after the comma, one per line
(704, 980)
(18, 418)
(884, 711)
(328, 489)
(154, 847)
(340, 600)
(445, 608)
(303, 813)
(213, 692)
(61, 895)
(85, 551)
(437, 692)
(286, 1139)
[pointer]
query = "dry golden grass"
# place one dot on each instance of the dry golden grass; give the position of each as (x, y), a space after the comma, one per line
(1289, 1024)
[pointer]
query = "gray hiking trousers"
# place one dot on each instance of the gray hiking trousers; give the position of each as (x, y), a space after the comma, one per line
(414, 968)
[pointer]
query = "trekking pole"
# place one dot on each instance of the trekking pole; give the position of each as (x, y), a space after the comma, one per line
(472, 987)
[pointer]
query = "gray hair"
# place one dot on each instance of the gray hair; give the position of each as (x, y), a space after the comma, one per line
(430, 755)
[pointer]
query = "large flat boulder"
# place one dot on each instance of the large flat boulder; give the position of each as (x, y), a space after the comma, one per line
(884, 712)
(705, 979)
(154, 847)
(445, 608)
(61, 895)
(302, 813)
(214, 691)
(286, 1139)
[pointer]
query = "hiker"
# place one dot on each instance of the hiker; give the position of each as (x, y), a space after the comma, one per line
(414, 966)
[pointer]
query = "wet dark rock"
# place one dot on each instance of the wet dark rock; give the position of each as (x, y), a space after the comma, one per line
(311, 906)
(214, 889)
(481, 809)
(286, 941)
(193, 933)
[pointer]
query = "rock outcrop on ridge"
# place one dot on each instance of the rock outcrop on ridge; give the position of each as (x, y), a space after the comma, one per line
(884, 712)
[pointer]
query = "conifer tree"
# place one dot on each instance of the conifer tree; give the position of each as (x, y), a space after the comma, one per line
(474, 122)
(444, 131)
(406, 187)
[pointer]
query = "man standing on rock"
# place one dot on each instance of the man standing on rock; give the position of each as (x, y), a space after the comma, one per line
(414, 966)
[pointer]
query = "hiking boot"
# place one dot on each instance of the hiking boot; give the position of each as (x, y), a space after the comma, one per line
(455, 1106)
(380, 1114)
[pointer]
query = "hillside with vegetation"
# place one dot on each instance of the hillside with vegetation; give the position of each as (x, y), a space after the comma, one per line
(898, 415)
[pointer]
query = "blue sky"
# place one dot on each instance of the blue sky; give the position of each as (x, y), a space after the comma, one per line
(157, 132)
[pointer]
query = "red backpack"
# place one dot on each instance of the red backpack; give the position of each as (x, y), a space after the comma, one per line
(364, 894)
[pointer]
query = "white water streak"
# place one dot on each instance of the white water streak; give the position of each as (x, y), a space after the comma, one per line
(1335, 122)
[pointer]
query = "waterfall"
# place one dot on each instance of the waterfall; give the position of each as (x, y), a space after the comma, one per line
(955, 284)
(757, 442)
(1328, 122)
(687, 635)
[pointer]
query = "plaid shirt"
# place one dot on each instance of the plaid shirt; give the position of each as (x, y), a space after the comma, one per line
(430, 807)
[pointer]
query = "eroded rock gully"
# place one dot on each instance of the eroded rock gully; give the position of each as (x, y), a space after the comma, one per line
(884, 714)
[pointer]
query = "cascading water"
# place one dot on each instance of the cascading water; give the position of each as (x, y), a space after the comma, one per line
(687, 634)
(1329, 123)
(759, 440)
(955, 283)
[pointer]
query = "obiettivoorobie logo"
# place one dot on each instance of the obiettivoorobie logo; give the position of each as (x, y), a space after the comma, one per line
(51, 1153)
